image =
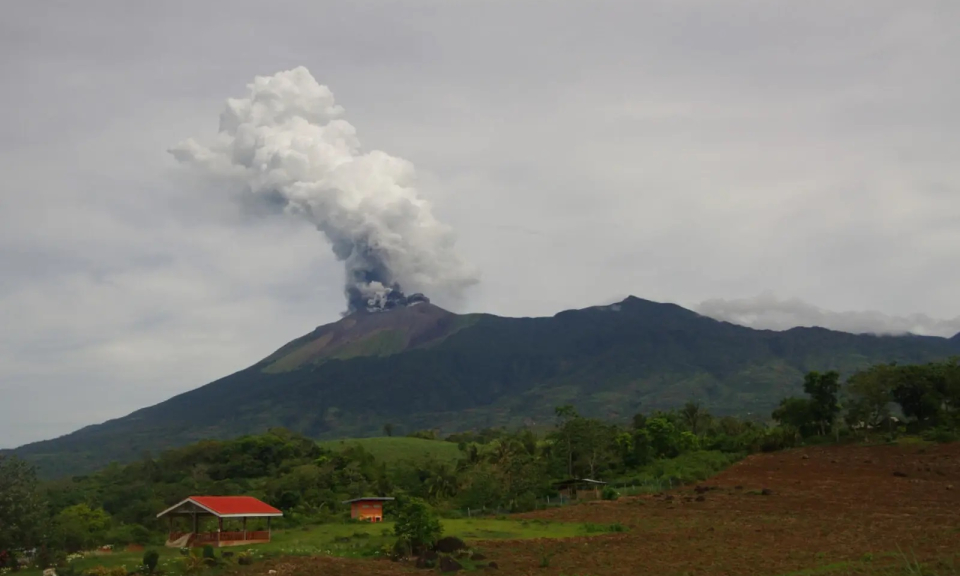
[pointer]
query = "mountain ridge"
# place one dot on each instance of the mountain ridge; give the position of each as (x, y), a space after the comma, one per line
(423, 367)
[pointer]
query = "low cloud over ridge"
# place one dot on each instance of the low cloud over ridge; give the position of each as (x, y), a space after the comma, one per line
(767, 311)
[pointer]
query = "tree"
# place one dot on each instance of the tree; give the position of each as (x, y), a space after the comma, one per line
(796, 413)
(423, 434)
(417, 523)
(928, 393)
(664, 437)
(22, 515)
(566, 414)
(441, 482)
(388, 429)
(594, 444)
(871, 393)
(80, 527)
(694, 417)
(951, 388)
(823, 390)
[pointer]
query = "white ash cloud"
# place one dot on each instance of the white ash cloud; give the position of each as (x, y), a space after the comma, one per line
(287, 143)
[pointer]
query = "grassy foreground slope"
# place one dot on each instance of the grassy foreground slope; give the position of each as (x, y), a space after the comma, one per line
(345, 540)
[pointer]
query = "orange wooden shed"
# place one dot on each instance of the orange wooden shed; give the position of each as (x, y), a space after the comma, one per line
(369, 508)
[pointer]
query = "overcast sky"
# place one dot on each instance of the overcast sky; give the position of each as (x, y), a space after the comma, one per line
(759, 161)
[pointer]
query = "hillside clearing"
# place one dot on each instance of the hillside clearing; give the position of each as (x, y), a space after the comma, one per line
(392, 449)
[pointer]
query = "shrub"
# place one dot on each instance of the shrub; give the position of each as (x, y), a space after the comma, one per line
(450, 544)
(941, 434)
(609, 493)
(150, 560)
(193, 563)
(244, 559)
(48, 557)
(208, 552)
(401, 549)
(128, 534)
(417, 523)
(524, 502)
(545, 556)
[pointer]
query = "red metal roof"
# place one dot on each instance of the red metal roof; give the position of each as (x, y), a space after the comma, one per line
(234, 505)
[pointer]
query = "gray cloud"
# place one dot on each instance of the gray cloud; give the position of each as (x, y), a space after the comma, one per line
(677, 151)
(767, 311)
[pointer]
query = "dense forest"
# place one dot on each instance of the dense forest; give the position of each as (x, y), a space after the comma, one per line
(497, 470)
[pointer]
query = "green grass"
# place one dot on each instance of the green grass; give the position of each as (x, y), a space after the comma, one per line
(364, 537)
(665, 474)
(395, 449)
(354, 539)
(381, 343)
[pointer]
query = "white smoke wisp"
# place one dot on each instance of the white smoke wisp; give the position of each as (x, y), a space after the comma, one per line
(766, 311)
(287, 143)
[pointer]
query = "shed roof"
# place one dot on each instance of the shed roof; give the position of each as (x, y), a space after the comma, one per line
(368, 499)
(572, 481)
(223, 507)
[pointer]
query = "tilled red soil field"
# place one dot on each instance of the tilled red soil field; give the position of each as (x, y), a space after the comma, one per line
(831, 510)
(826, 506)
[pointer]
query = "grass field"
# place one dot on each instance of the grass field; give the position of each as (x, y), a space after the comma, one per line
(397, 448)
(354, 540)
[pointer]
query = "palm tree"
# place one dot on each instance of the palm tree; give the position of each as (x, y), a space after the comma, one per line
(693, 416)
(441, 482)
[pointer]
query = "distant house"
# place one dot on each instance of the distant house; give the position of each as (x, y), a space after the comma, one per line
(235, 509)
(368, 508)
(579, 488)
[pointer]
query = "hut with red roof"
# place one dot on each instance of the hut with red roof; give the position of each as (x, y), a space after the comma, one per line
(235, 509)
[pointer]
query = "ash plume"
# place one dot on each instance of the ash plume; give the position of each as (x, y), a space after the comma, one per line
(287, 143)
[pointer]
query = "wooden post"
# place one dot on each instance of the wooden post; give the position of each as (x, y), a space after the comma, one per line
(244, 527)
(196, 527)
(268, 528)
(219, 530)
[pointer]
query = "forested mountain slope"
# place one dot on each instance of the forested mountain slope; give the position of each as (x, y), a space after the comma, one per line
(424, 367)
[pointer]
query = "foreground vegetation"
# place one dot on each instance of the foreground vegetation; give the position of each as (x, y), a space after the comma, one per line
(345, 539)
(392, 450)
(469, 475)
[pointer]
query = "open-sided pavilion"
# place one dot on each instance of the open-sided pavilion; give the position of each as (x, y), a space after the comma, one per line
(232, 508)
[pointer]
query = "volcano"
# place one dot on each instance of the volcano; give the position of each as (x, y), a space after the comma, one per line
(415, 365)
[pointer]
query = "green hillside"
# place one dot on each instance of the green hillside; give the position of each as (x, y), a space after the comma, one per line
(423, 367)
(391, 450)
